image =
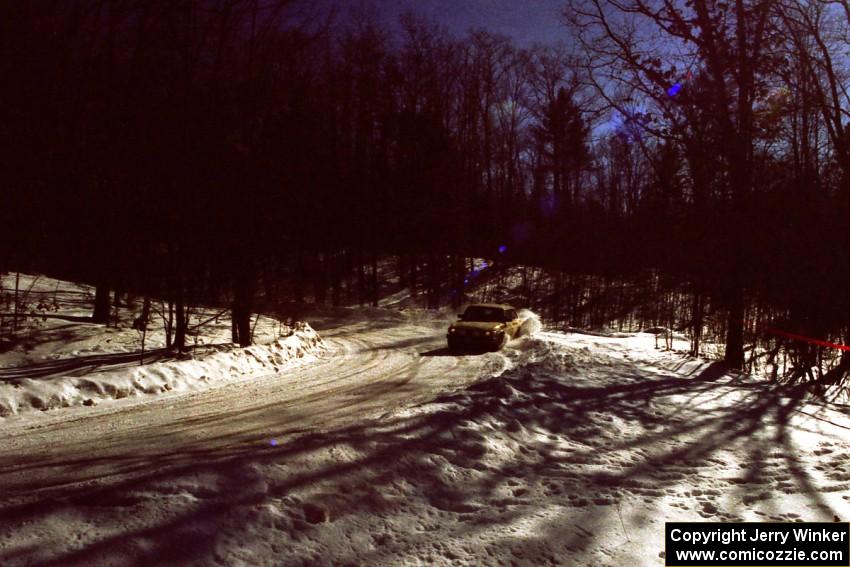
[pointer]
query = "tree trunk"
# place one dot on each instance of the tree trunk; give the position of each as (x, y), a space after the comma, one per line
(557, 296)
(17, 301)
(141, 325)
(298, 279)
(101, 304)
(320, 279)
(270, 279)
(433, 286)
(412, 265)
(336, 285)
(243, 296)
(146, 311)
(698, 306)
(403, 280)
(361, 277)
(244, 324)
(734, 357)
(169, 325)
(374, 290)
(458, 269)
(180, 315)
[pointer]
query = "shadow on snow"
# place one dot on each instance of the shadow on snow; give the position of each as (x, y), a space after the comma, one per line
(602, 464)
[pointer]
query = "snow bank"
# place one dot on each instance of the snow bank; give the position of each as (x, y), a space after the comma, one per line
(303, 344)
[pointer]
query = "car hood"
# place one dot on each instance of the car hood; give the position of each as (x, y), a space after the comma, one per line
(478, 325)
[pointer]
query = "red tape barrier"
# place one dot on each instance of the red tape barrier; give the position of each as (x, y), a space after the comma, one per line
(806, 339)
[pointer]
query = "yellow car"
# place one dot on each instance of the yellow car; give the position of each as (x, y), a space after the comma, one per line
(484, 326)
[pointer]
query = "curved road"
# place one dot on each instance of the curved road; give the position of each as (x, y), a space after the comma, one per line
(370, 369)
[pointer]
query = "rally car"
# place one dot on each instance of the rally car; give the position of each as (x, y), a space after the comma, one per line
(484, 326)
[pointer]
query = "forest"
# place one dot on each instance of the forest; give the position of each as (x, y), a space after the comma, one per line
(671, 163)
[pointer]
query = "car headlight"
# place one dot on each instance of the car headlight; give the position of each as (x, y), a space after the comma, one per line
(452, 329)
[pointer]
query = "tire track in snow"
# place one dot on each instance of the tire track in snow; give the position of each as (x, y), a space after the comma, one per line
(362, 376)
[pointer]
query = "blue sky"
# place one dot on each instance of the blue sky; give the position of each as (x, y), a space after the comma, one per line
(526, 21)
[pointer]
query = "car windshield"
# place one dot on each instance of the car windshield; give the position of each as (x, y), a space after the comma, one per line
(487, 314)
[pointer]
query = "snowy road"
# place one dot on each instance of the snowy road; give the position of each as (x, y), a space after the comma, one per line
(369, 370)
(388, 451)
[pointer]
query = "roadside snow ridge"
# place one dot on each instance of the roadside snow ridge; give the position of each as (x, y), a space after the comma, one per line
(302, 345)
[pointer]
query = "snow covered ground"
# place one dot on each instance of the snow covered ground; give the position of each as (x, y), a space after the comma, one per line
(565, 449)
(58, 358)
(59, 327)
